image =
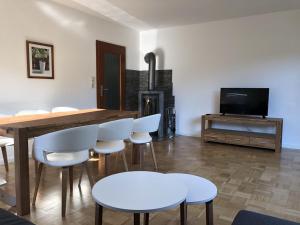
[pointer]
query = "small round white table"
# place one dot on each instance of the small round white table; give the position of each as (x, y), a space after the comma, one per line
(139, 192)
(200, 191)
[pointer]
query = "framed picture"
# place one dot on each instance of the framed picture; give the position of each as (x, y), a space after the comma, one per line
(40, 60)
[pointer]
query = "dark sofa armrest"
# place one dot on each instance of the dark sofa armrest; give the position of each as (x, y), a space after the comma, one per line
(252, 218)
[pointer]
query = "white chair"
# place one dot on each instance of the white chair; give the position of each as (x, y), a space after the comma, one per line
(4, 142)
(141, 129)
(31, 112)
(64, 109)
(111, 136)
(64, 149)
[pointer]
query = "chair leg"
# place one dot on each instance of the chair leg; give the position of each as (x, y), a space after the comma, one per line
(4, 154)
(37, 182)
(124, 160)
(81, 174)
(153, 155)
(71, 179)
(64, 190)
(90, 176)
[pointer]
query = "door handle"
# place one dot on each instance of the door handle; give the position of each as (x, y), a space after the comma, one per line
(102, 90)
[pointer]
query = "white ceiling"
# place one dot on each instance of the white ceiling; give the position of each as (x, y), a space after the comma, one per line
(146, 14)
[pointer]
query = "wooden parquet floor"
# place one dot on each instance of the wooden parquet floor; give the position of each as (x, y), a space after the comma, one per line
(247, 178)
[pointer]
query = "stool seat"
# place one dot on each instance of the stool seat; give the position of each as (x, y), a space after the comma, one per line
(200, 190)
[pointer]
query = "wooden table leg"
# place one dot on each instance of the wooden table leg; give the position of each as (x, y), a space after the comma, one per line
(209, 213)
(146, 218)
(99, 214)
(22, 172)
(136, 219)
(183, 213)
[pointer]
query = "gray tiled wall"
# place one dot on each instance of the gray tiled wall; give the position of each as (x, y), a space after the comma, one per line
(138, 81)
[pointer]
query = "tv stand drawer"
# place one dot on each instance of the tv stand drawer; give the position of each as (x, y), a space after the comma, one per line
(215, 137)
(262, 142)
(238, 140)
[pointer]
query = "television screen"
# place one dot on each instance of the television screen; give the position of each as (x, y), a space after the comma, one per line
(244, 101)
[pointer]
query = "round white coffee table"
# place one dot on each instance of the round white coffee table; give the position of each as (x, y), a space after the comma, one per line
(139, 192)
(200, 191)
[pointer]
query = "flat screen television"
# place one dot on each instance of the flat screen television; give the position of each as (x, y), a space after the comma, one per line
(244, 101)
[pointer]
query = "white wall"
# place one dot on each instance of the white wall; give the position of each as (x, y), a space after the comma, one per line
(256, 51)
(73, 35)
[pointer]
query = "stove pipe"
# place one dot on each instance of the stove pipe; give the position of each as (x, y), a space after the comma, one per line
(150, 59)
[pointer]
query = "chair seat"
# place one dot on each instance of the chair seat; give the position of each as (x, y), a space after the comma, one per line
(107, 147)
(64, 159)
(200, 190)
(6, 141)
(140, 138)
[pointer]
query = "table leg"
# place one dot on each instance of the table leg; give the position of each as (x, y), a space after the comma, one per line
(183, 213)
(209, 213)
(22, 172)
(99, 214)
(136, 219)
(146, 218)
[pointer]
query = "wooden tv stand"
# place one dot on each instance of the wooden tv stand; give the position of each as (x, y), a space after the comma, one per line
(244, 138)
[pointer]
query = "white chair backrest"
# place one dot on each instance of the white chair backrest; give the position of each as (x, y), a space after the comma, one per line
(31, 112)
(69, 140)
(115, 130)
(147, 123)
(64, 109)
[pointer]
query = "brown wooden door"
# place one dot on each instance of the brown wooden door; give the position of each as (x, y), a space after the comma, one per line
(110, 75)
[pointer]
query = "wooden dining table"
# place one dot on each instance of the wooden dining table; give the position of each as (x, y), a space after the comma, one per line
(22, 128)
